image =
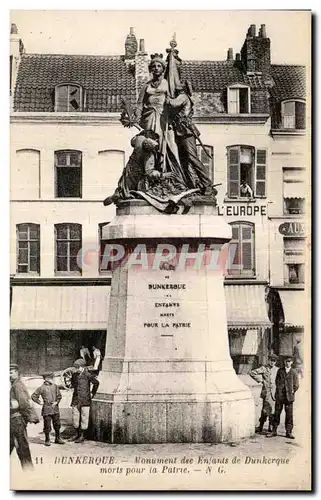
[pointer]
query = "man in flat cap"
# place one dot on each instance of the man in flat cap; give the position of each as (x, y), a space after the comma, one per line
(51, 397)
(81, 382)
(266, 376)
(287, 383)
(20, 405)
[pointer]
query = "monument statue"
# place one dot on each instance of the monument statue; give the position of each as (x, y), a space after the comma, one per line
(164, 168)
(167, 375)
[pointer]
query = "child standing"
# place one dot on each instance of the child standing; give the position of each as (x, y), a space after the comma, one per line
(51, 397)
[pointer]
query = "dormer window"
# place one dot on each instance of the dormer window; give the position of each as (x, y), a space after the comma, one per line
(238, 99)
(293, 115)
(68, 98)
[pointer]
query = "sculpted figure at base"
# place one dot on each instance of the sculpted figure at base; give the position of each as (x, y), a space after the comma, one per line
(164, 168)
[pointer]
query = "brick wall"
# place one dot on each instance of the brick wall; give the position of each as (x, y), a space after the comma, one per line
(256, 55)
(141, 70)
(206, 103)
(259, 101)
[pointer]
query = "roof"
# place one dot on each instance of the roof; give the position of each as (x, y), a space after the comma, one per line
(107, 78)
(290, 82)
(214, 76)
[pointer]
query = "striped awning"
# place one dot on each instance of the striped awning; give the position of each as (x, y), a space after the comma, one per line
(60, 307)
(296, 307)
(295, 190)
(246, 306)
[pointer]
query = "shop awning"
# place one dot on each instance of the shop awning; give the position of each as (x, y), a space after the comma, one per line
(60, 307)
(295, 307)
(295, 190)
(246, 306)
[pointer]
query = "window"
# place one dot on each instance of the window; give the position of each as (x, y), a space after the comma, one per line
(104, 265)
(68, 98)
(207, 161)
(294, 260)
(68, 244)
(295, 273)
(294, 190)
(242, 250)
(68, 167)
(238, 99)
(293, 115)
(28, 248)
(25, 175)
(294, 206)
(249, 165)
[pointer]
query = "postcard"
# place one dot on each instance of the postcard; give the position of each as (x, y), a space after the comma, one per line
(160, 235)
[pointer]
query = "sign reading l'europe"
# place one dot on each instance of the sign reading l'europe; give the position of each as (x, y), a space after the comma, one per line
(241, 210)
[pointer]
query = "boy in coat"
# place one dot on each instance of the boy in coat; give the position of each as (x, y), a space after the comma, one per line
(287, 383)
(51, 397)
(85, 385)
(266, 375)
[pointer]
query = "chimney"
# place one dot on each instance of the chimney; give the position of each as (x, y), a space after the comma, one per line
(142, 45)
(16, 50)
(237, 57)
(263, 31)
(141, 66)
(230, 54)
(256, 52)
(130, 45)
(252, 31)
(14, 29)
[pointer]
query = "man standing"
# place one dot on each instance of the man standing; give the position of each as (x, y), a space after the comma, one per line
(51, 397)
(287, 383)
(85, 355)
(181, 113)
(81, 381)
(97, 359)
(266, 375)
(20, 406)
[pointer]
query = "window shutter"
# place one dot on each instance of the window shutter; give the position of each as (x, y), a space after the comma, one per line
(300, 115)
(234, 172)
(260, 181)
(247, 248)
(234, 261)
(276, 115)
(232, 100)
(235, 233)
(289, 115)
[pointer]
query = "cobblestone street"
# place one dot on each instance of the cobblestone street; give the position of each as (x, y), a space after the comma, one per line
(259, 462)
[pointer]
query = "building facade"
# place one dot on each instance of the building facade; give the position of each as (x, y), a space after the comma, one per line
(68, 150)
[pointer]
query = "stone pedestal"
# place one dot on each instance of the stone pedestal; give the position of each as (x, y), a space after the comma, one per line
(167, 375)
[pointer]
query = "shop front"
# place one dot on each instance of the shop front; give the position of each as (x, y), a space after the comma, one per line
(249, 327)
(50, 323)
(295, 310)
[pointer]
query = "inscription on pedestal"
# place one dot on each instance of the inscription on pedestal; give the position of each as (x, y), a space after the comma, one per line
(168, 326)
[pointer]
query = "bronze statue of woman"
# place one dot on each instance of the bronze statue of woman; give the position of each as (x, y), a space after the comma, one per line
(151, 114)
